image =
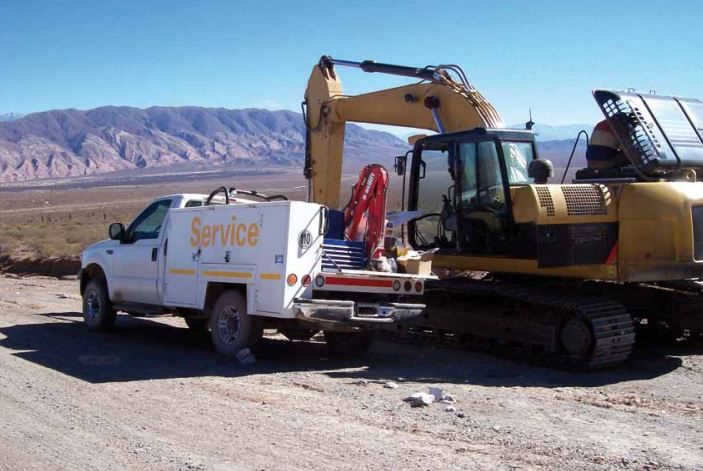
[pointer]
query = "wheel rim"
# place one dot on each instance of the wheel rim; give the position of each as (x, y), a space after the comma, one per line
(576, 337)
(92, 305)
(228, 325)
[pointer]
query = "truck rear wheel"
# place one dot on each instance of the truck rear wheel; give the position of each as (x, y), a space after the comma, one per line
(98, 313)
(231, 328)
(349, 343)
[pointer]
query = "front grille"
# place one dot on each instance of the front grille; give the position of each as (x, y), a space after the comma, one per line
(697, 218)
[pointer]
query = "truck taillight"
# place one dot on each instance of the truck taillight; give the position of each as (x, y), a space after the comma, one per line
(418, 286)
(396, 285)
(306, 280)
(408, 286)
(319, 281)
(292, 279)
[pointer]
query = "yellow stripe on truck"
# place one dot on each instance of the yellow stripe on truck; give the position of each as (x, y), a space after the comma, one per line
(270, 276)
(228, 274)
(181, 271)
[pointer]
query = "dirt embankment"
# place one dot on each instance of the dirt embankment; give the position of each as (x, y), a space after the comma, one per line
(45, 266)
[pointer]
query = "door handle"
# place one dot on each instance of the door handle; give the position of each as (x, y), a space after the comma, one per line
(154, 253)
(110, 251)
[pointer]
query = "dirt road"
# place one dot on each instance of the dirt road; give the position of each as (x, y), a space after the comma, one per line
(152, 395)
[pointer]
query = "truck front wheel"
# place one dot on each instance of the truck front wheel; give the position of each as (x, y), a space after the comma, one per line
(98, 313)
(231, 328)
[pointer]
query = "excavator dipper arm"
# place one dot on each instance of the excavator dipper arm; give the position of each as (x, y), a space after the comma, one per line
(443, 101)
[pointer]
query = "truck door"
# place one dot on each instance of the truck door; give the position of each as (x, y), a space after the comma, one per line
(135, 263)
(181, 261)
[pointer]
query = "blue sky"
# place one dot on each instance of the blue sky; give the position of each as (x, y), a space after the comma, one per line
(547, 55)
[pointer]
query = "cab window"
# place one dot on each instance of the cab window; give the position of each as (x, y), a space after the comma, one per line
(517, 157)
(468, 168)
(481, 180)
(148, 224)
(194, 203)
(434, 226)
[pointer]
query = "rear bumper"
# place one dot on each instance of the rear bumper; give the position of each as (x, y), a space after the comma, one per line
(357, 313)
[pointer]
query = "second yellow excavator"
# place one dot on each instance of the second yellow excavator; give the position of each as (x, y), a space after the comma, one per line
(559, 272)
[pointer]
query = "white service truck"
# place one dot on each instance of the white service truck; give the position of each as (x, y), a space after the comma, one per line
(236, 263)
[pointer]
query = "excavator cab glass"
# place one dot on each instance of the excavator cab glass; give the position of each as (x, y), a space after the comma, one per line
(433, 166)
(465, 205)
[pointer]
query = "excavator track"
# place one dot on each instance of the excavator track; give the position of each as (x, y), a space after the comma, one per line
(551, 328)
(672, 310)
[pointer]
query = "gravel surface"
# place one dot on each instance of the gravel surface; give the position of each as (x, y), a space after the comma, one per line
(153, 395)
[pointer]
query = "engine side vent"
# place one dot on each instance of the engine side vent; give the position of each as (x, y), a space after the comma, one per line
(584, 200)
(545, 199)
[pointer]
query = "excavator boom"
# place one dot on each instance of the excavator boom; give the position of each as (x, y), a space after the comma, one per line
(443, 101)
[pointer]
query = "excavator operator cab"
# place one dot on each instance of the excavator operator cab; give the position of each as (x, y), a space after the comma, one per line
(460, 184)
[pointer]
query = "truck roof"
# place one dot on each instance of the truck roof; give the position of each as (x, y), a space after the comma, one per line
(186, 196)
(201, 197)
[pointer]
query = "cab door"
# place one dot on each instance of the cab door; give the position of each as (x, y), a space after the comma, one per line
(485, 171)
(135, 261)
(483, 214)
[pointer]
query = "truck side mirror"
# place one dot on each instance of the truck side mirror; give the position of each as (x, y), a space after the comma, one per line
(116, 231)
(400, 161)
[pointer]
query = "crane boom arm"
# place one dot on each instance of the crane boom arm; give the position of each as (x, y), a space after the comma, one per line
(438, 103)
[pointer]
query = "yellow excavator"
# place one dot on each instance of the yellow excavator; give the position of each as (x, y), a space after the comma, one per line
(558, 273)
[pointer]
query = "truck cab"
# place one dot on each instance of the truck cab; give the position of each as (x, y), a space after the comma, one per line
(233, 262)
(131, 255)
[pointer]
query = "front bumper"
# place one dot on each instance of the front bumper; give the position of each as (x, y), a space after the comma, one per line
(357, 313)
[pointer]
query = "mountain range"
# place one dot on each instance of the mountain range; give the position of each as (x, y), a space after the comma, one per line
(71, 143)
(66, 143)
(10, 116)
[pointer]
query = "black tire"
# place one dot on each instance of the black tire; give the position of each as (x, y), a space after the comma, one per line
(349, 343)
(231, 328)
(98, 313)
(198, 324)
